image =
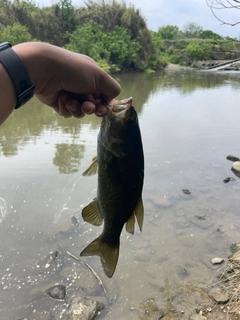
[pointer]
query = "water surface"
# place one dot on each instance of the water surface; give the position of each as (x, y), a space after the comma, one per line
(189, 122)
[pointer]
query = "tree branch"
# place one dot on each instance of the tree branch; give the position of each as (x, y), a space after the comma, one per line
(223, 4)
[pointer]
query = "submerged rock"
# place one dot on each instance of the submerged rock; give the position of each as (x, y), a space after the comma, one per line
(219, 296)
(232, 158)
(81, 308)
(186, 191)
(229, 179)
(74, 221)
(57, 292)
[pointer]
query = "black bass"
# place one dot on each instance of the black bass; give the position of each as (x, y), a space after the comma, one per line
(120, 164)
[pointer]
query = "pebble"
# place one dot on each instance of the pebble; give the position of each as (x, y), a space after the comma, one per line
(229, 179)
(186, 191)
(197, 317)
(217, 260)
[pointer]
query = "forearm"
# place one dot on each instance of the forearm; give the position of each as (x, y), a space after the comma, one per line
(7, 95)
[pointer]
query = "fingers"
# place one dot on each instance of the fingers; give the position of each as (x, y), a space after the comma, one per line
(74, 107)
(108, 87)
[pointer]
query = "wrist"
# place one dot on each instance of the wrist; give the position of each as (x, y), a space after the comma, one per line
(30, 55)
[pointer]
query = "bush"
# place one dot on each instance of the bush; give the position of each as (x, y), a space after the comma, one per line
(15, 34)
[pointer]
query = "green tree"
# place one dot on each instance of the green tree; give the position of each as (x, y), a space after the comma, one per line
(15, 34)
(192, 30)
(168, 32)
(106, 47)
(208, 34)
(110, 14)
(198, 50)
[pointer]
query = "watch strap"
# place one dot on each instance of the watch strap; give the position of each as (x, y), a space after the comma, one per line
(17, 72)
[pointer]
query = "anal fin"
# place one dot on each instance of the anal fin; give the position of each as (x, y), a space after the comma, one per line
(139, 213)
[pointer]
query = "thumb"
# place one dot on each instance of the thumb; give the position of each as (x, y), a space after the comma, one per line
(108, 88)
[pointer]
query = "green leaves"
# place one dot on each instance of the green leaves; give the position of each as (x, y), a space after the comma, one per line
(15, 34)
(111, 47)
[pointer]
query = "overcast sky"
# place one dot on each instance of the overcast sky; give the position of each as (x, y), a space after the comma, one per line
(180, 12)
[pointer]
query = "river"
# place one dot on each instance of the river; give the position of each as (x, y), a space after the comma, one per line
(189, 122)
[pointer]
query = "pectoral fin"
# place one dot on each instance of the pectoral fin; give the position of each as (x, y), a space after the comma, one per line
(130, 224)
(138, 212)
(92, 169)
(91, 213)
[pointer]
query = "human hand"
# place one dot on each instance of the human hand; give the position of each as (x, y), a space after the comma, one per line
(72, 84)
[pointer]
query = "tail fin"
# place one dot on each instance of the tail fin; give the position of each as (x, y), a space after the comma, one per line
(107, 253)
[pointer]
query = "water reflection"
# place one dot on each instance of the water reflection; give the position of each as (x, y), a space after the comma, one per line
(68, 157)
(33, 120)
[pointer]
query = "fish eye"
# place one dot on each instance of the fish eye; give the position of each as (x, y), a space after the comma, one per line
(130, 122)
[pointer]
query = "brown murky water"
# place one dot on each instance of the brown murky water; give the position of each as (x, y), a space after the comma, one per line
(189, 123)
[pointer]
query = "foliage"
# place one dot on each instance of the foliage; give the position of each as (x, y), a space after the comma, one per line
(168, 32)
(192, 30)
(198, 50)
(112, 13)
(208, 34)
(15, 34)
(112, 47)
(112, 33)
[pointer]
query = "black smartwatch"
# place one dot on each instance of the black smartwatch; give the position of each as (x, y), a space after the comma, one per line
(17, 72)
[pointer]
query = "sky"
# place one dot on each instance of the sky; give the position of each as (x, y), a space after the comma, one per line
(180, 12)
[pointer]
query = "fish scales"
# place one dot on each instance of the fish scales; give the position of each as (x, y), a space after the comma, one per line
(120, 163)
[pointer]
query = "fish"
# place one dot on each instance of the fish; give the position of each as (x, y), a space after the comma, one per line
(120, 166)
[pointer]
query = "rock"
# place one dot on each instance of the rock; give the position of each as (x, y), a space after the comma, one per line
(57, 292)
(235, 257)
(219, 296)
(236, 168)
(81, 308)
(232, 158)
(217, 260)
(229, 179)
(235, 247)
(181, 223)
(160, 201)
(197, 317)
(203, 222)
(186, 239)
(186, 191)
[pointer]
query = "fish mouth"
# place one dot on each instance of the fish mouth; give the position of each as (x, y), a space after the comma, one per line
(119, 107)
(116, 110)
